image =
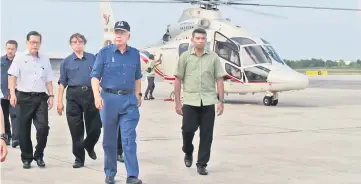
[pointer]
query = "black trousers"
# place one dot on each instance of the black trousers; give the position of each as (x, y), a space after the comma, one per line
(32, 107)
(11, 130)
(80, 102)
(151, 86)
(202, 117)
(120, 148)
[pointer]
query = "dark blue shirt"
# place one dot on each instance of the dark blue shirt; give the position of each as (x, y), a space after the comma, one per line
(75, 71)
(116, 70)
(5, 65)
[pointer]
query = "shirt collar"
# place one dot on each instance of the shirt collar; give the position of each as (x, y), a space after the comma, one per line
(75, 57)
(6, 58)
(206, 51)
(114, 47)
(27, 52)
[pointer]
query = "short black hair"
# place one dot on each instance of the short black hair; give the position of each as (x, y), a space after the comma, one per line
(77, 35)
(33, 33)
(12, 42)
(199, 30)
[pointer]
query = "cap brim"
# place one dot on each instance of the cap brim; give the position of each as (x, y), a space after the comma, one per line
(120, 29)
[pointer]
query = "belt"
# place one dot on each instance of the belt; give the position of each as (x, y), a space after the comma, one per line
(118, 91)
(32, 93)
(83, 88)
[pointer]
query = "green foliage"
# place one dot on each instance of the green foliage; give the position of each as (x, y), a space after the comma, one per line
(319, 63)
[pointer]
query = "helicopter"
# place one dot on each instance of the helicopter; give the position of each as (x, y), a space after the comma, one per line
(251, 63)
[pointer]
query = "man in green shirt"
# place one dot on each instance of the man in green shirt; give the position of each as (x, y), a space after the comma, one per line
(151, 76)
(200, 71)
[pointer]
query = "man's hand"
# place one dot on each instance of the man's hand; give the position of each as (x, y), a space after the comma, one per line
(13, 100)
(178, 108)
(220, 108)
(60, 108)
(139, 100)
(3, 150)
(98, 102)
(50, 102)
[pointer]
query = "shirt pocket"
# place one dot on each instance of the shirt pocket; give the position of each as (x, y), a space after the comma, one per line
(72, 71)
(128, 72)
(42, 73)
(112, 69)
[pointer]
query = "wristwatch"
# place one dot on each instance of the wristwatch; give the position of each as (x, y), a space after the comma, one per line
(222, 101)
(3, 137)
(51, 96)
(140, 94)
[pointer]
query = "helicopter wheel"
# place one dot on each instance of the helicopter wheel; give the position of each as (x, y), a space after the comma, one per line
(270, 100)
(172, 95)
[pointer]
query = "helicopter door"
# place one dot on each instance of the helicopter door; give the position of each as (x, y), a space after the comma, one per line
(228, 51)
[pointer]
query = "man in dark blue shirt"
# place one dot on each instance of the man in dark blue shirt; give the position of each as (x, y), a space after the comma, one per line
(118, 68)
(75, 74)
(6, 61)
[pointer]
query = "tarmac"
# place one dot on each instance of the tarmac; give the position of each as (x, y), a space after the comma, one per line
(311, 137)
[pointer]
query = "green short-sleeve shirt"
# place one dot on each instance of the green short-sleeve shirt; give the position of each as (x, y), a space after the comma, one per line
(198, 75)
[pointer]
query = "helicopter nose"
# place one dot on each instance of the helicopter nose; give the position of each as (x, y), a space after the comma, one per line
(287, 80)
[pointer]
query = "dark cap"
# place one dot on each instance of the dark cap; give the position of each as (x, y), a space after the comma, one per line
(122, 25)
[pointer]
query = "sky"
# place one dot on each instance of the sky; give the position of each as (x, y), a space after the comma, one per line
(303, 34)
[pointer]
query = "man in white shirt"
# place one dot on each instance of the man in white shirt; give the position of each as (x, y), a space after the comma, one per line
(31, 74)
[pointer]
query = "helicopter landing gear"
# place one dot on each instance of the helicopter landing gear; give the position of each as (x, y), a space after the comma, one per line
(271, 99)
(172, 96)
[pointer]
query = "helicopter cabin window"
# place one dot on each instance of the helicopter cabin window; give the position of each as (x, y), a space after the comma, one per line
(256, 73)
(227, 51)
(182, 48)
(233, 71)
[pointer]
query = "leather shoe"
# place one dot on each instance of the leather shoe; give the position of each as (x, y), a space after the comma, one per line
(92, 155)
(40, 162)
(202, 170)
(78, 164)
(133, 180)
(120, 158)
(26, 165)
(109, 180)
(15, 143)
(188, 160)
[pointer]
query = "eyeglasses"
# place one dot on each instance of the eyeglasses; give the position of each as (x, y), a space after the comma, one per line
(34, 42)
(77, 42)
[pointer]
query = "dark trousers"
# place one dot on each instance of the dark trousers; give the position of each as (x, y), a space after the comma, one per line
(202, 117)
(10, 110)
(151, 86)
(120, 148)
(80, 102)
(32, 107)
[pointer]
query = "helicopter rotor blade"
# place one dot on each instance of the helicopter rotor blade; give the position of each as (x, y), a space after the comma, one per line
(291, 6)
(125, 1)
(258, 12)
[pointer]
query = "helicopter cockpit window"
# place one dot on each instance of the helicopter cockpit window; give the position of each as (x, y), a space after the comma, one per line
(243, 41)
(233, 71)
(255, 54)
(182, 48)
(272, 52)
(256, 73)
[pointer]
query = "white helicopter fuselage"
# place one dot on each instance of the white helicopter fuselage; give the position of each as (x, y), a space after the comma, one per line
(251, 64)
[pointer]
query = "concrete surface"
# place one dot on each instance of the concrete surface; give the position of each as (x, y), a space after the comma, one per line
(311, 137)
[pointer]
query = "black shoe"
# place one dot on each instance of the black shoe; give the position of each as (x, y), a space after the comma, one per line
(109, 180)
(188, 160)
(151, 97)
(92, 155)
(133, 180)
(120, 158)
(8, 139)
(78, 164)
(146, 98)
(15, 143)
(26, 165)
(40, 162)
(202, 170)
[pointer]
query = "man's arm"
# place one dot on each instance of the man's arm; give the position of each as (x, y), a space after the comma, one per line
(219, 74)
(96, 73)
(63, 82)
(138, 78)
(49, 79)
(13, 73)
(179, 76)
(2, 125)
